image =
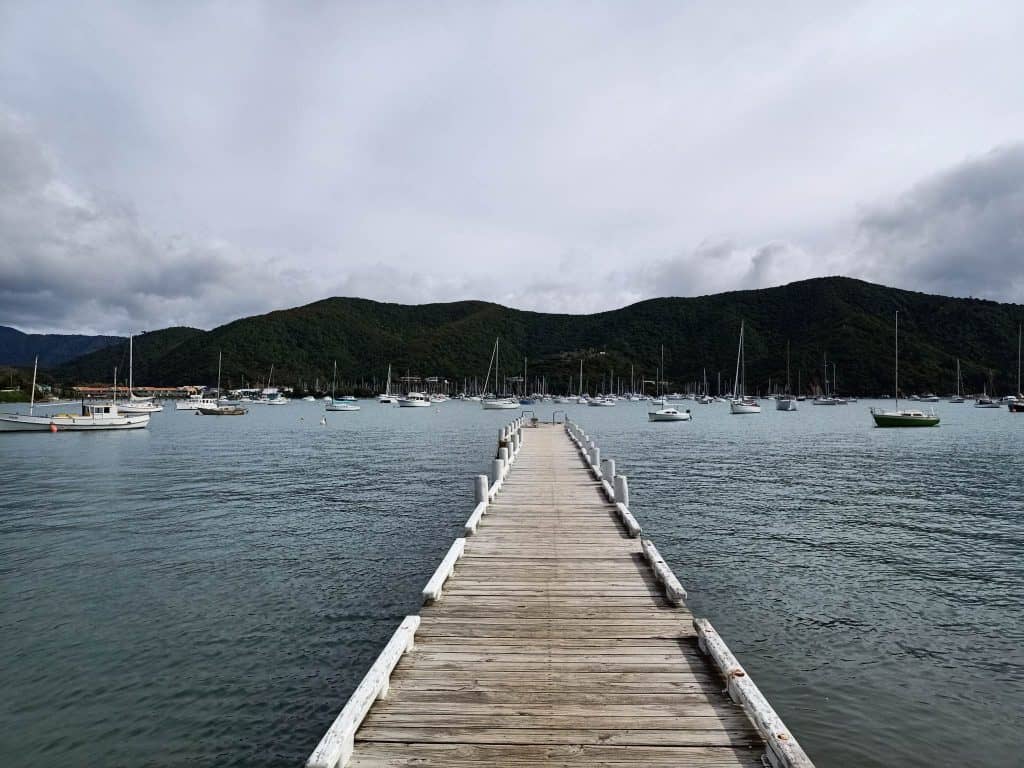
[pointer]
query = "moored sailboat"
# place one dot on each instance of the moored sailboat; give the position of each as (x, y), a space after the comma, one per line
(904, 418)
(741, 403)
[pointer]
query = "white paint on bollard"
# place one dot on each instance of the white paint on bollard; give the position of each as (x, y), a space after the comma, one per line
(480, 489)
(622, 490)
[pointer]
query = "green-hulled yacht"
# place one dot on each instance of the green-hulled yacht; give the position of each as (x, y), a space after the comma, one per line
(898, 418)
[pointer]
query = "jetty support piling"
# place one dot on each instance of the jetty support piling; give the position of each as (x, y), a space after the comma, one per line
(561, 639)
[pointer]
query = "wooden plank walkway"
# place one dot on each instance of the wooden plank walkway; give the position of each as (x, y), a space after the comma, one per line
(553, 643)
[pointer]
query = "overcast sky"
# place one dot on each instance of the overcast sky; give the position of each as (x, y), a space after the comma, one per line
(167, 163)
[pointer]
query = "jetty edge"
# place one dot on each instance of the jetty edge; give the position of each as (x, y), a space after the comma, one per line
(552, 632)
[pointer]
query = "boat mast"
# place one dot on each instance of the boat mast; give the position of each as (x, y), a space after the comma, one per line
(32, 396)
(958, 375)
(787, 370)
(220, 357)
(114, 398)
(662, 377)
(131, 367)
(739, 355)
(897, 360)
(581, 377)
(1018, 358)
(334, 381)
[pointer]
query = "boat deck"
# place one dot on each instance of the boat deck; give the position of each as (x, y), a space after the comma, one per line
(554, 643)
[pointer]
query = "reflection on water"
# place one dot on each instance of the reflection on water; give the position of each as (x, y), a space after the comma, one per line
(210, 590)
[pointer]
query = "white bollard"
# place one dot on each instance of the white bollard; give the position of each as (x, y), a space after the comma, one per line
(595, 457)
(503, 455)
(496, 470)
(608, 468)
(621, 490)
(480, 488)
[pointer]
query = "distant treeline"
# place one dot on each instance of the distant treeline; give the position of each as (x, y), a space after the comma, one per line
(847, 321)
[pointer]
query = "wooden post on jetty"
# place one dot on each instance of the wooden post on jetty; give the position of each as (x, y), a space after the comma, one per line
(554, 633)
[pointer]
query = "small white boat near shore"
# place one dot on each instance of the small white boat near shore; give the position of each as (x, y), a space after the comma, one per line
(414, 400)
(669, 414)
(94, 417)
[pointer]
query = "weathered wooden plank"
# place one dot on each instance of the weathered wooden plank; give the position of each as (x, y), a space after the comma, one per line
(559, 642)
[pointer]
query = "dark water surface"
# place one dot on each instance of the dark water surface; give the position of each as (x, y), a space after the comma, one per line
(209, 591)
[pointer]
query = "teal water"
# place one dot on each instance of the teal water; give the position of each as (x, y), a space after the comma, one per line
(209, 591)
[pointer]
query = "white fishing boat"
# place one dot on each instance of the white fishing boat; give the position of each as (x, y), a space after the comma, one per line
(136, 404)
(195, 402)
(94, 417)
(741, 403)
(309, 399)
(668, 414)
(414, 400)
(602, 402)
(346, 403)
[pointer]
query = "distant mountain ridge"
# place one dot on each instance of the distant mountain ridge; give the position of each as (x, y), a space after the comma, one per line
(847, 320)
(18, 348)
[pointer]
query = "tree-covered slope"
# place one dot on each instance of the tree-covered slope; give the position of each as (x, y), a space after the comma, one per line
(849, 321)
(17, 348)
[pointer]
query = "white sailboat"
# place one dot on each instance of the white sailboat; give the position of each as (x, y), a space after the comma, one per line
(345, 403)
(666, 412)
(501, 403)
(93, 417)
(135, 403)
(741, 404)
(387, 398)
(786, 401)
(957, 398)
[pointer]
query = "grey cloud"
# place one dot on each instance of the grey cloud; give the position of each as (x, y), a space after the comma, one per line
(959, 233)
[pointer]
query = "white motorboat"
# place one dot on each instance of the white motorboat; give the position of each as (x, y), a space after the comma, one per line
(136, 404)
(195, 402)
(602, 402)
(309, 399)
(341, 405)
(499, 403)
(94, 417)
(740, 403)
(668, 414)
(272, 396)
(414, 400)
(437, 398)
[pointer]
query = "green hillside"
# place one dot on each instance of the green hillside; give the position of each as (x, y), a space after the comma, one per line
(848, 320)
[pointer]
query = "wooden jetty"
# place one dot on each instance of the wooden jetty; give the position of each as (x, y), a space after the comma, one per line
(554, 634)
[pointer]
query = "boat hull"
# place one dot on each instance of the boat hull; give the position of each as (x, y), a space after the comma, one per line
(64, 423)
(785, 404)
(224, 410)
(414, 403)
(667, 416)
(744, 408)
(904, 420)
(341, 407)
(499, 405)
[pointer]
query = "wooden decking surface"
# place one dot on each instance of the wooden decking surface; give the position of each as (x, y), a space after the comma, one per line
(554, 645)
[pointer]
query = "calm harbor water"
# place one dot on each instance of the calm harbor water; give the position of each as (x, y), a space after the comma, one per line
(209, 591)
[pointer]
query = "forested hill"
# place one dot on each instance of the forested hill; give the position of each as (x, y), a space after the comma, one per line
(17, 348)
(849, 321)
